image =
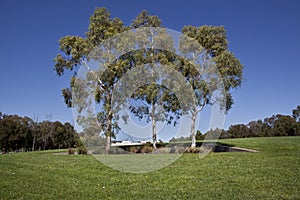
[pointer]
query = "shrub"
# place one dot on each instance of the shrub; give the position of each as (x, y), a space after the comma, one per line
(177, 149)
(192, 150)
(164, 150)
(82, 150)
(132, 149)
(146, 149)
(116, 150)
(71, 151)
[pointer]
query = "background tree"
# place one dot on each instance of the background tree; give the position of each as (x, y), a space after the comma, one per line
(15, 133)
(285, 126)
(276, 125)
(296, 113)
(238, 131)
(35, 132)
(21, 133)
(256, 128)
(199, 135)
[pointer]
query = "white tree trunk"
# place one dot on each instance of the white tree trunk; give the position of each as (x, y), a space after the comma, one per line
(108, 133)
(107, 147)
(193, 130)
(153, 126)
(154, 133)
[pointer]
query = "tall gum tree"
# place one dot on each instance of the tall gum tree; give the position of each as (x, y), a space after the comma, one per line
(213, 39)
(157, 100)
(75, 50)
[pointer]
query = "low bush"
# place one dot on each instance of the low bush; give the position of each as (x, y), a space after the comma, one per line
(177, 149)
(132, 149)
(164, 150)
(192, 150)
(71, 151)
(146, 149)
(82, 150)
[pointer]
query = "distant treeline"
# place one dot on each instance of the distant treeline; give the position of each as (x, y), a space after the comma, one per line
(23, 133)
(277, 125)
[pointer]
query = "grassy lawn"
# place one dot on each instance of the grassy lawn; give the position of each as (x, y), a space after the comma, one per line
(272, 173)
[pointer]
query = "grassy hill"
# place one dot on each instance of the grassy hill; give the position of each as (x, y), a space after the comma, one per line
(272, 173)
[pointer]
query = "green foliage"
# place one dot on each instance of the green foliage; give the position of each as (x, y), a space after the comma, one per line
(132, 149)
(71, 151)
(146, 149)
(146, 20)
(199, 135)
(148, 96)
(238, 130)
(296, 113)
(22, 133)
(192, 150)
(101, 27)
(74, 51)
(213, 39)
(277, 125)
(181, 139)
(82, 150)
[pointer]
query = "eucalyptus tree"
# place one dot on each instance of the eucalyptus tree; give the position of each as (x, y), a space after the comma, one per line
(204, 81)
(157, 102)
(75, 51)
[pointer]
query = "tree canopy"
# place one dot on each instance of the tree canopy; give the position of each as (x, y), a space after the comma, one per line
(23, 133)
(276, 125)
(151, 45)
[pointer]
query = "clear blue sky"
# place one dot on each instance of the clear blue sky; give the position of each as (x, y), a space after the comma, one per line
(264, 35)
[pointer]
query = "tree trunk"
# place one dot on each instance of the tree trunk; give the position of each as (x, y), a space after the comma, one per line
(109, 123)
(193, 130)
(33, 143)
(108, 133)
(153, 126)
(107, 147)
(44, 145)
(154, 133)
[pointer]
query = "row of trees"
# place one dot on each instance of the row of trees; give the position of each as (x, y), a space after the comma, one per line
(23, 133)
(155, 49)
(276, 125)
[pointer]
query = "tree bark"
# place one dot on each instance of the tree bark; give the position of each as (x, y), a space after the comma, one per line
(194, 117)
(193, 130)
(153, 126)
(109, 124)
(109, 133)
(33, 143)
(107, 147)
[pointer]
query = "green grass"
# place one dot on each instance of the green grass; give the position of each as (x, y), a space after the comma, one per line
(272, 173)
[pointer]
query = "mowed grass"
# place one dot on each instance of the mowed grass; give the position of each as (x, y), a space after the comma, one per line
(272, 173)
